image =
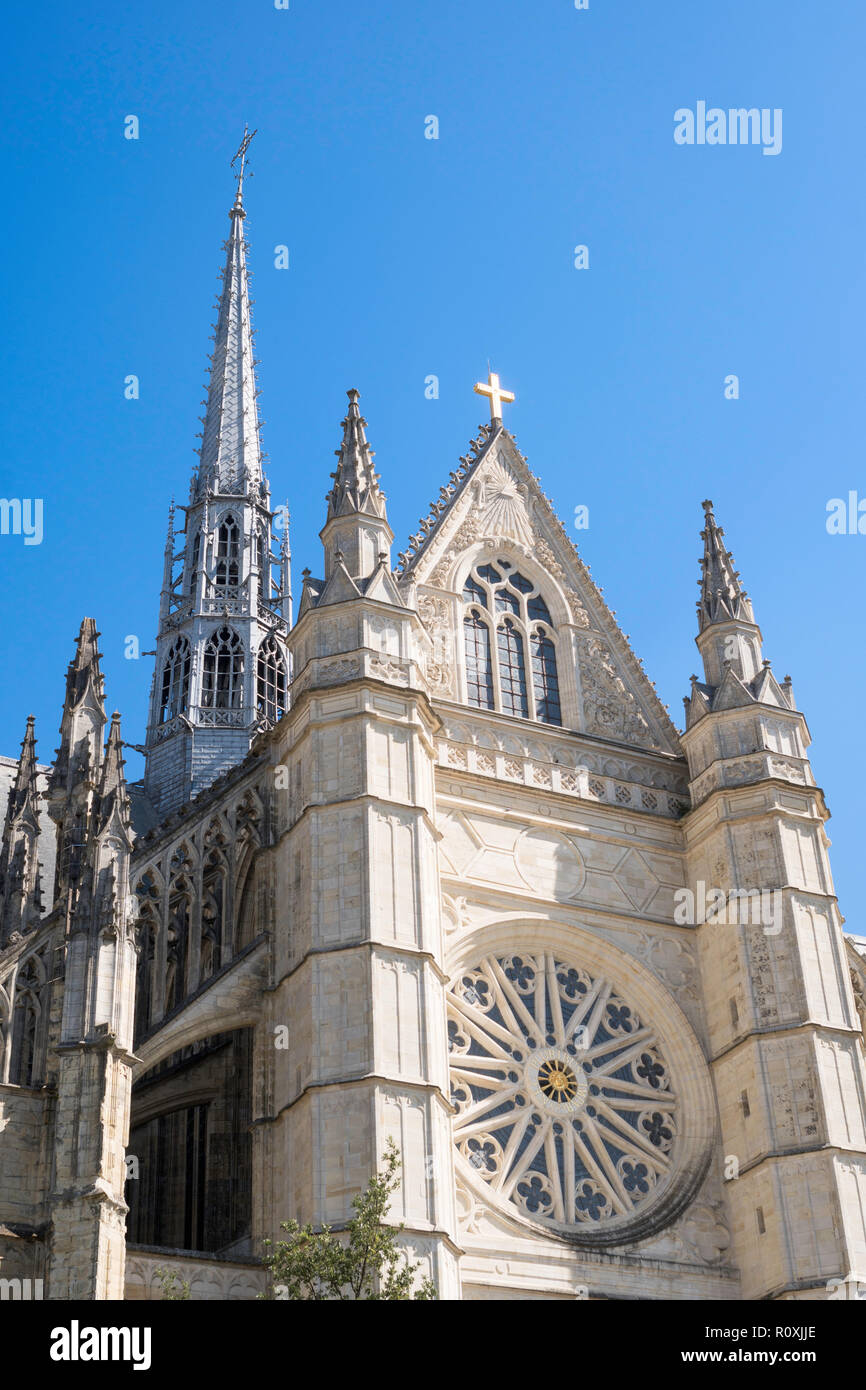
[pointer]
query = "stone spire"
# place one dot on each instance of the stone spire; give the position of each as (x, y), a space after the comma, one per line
(356, 534)
(20, 891)
(729, 639)
(222, 671)
(722, 595)
(230, 454)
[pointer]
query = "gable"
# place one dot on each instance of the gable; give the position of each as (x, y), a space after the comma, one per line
(494, 503)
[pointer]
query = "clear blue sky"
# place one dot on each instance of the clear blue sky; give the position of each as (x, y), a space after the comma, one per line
(410, 257)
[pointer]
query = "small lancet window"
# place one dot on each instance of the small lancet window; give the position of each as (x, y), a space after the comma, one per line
(228, 552)
(263, 560)
(545, 683)
(25, 1023)
(479, 670)
(175, 681)
(147, 930)
(177, 943)
(270, 682)
(213, 891)
(223, 672)
(196, 556)
(512, 670)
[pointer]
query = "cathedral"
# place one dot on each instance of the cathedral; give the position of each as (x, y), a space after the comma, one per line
(423, 857)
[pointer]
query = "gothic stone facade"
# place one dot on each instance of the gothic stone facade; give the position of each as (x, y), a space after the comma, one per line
(412, 866)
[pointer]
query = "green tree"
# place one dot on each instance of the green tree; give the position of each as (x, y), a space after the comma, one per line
(366, 1263)
(173, 1287)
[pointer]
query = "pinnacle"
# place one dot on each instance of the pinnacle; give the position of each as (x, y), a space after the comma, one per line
(722, 595)
(356, 484)
(24, 792)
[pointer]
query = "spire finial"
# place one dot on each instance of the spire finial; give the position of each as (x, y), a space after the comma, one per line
(722, 594)
(242, 156)
(230, 453)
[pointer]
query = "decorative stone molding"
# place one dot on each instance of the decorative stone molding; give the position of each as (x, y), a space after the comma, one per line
(209, 1280)
(395, 672)
(737, 772)
(345, 668)
(574, 782)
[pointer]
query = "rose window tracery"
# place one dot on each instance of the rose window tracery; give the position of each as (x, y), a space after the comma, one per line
(564, 1101)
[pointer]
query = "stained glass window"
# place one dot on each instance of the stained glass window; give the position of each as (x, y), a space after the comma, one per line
(499, 588)
(536, 609)
(564, 1102)
(512, 670)
(479, 672)
(473, 592)
(545, 683)
(506, 601)
(490, 574)
(525, 586)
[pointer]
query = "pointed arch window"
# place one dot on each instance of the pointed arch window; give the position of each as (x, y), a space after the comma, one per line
(510, 644)
(196, 556)
(545, 682)
(175, 681)
(270, 682)
(144, 974)
(228, 552)
(177, 944)
(25, 1023)
(212, 911)
(223, 671)
(262, 558)
(148, 909)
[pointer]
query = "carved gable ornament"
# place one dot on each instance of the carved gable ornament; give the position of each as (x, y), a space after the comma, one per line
(502, 506)
(609, 708)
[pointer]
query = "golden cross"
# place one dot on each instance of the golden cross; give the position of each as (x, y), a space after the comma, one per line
(495, 393)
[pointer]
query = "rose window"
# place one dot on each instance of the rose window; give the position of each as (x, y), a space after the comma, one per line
(563, 1098)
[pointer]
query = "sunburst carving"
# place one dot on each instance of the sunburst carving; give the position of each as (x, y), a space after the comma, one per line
(503, 508)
